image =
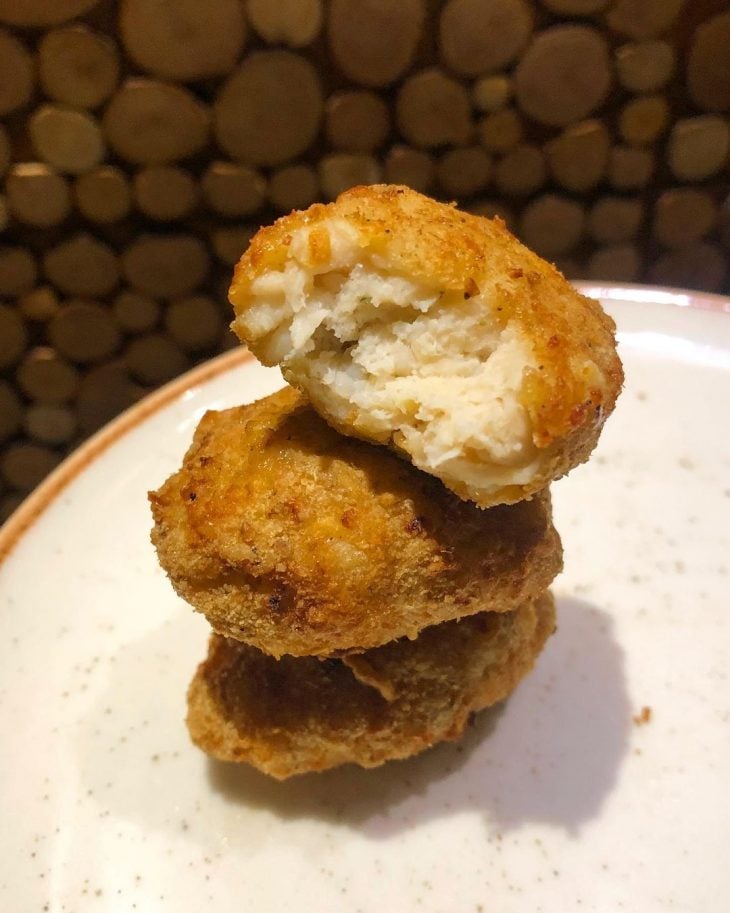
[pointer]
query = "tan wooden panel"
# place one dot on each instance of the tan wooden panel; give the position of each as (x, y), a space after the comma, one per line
(37, 194)
(13, 336)
(154, 358)
(356, 121)
(18, 270)
(16, 73)
(564, 75)
(186, 39)
(433, 109)
(24, 465)
(477, 37)
(708, 69)
(82, 266)
(39, 13)
(194, 323)
(11, 411)
(269, 110)
(103, 195)
(295, 23)
(166, 266)
(148, 122)
(552, 225)
(293, 187)
(165, 193)
(84, 332)
(70, 141)
(77, 66)
(374, 41)
(412, 167)
(698, 147)
(233, 190)
(45, 377)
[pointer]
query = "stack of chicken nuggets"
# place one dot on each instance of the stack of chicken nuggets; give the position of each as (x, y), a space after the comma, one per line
(373, 545)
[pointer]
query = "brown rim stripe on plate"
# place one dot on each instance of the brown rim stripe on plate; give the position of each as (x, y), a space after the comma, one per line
(49, 489)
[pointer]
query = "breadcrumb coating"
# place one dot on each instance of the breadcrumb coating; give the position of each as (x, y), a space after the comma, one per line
(409, 323)
(297, 540)
(296, 715)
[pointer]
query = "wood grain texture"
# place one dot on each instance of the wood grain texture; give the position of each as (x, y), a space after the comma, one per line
(373, 41)
(269, 110)
(186, 40)
(37, 194)
(77, 66)
(149, 122)
(477, 37)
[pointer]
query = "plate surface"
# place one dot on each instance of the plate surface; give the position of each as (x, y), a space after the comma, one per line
(564, 800)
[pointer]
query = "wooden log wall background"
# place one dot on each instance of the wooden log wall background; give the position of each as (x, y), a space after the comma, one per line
(144, 141)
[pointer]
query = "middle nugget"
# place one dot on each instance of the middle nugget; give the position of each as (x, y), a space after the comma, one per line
(297, 540)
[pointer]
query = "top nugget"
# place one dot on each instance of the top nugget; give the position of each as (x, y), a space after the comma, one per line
(409, 323)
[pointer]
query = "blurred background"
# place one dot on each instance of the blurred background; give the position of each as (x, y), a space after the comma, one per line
(144, 141)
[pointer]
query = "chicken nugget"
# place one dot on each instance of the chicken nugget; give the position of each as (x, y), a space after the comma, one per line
(409, 323)
(301, 714)
(296, 539)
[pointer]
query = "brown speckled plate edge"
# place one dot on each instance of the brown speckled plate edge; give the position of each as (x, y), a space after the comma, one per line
(36, 503)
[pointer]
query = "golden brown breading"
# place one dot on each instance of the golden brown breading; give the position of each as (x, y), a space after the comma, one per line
(410, 323)
(302, 714)
(295, 539)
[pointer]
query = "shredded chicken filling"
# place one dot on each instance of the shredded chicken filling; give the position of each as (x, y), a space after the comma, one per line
(398, 359)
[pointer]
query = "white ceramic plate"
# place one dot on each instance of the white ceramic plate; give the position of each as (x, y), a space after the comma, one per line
(561, 802)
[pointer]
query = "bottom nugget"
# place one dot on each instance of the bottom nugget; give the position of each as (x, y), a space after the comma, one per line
(300, 714)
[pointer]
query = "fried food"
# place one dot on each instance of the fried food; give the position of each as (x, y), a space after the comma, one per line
(295, 715)
(409, 323)
(295, 539)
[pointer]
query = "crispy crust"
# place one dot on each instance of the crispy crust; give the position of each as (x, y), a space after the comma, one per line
(295, 539)
(580, 375)
(296, 715)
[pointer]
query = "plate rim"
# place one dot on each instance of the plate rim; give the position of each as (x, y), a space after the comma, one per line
(37, 501)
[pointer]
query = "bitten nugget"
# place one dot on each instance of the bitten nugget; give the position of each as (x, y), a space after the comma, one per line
(295, 715)
(410, 323)
(295, 539)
